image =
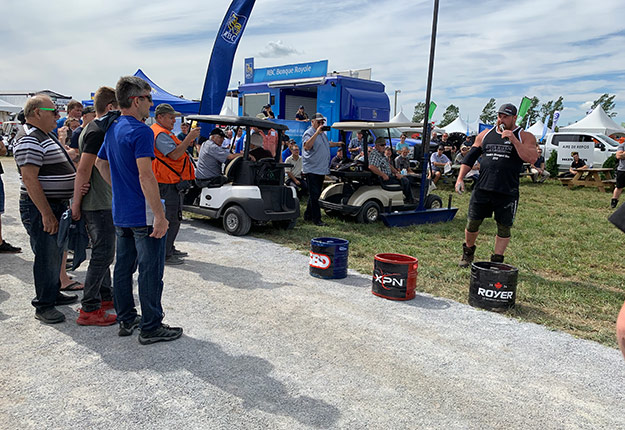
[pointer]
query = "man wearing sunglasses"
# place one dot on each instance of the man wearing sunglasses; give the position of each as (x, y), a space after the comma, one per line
(125, 160)
(47, 175)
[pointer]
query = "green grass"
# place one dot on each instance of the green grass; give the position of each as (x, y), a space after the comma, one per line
(568, 255)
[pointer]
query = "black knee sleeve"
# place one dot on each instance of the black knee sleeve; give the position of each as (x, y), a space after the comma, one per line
(503, 231)
(473, 225)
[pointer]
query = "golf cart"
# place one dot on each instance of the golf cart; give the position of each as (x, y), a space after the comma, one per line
(359, 193)
(254, 190)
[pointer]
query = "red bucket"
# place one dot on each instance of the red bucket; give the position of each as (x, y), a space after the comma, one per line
(395, 276)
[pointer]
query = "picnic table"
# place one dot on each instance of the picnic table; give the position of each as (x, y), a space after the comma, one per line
(591, 177)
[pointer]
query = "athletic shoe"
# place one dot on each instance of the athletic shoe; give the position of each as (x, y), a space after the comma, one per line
(7, 248)
(107, 305)
(162, 334)
(179, 253)
(127, 328)
(173, 260)
(65, 299)
(50, 316)
(613, 203)
(98, 317)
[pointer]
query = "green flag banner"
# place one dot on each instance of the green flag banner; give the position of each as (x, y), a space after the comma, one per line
(432, 109)
(523, 107)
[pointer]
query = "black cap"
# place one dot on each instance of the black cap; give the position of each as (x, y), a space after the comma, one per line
(441, 147)
(507, 109)
(88, 109)
(267, 106)
(218, 131)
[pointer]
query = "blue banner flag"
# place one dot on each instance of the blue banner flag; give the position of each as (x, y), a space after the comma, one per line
(222, 57)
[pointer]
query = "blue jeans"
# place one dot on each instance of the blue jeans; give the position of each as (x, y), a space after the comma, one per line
(98, 281)
(48, 255)
(136, 249)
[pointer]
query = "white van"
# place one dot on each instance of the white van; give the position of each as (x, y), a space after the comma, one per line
(604, 147)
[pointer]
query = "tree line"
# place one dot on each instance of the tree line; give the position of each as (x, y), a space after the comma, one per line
(534, 113)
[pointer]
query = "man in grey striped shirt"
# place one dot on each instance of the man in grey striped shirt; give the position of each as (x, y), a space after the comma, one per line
(47, 175)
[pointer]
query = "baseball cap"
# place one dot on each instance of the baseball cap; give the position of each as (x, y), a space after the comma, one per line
(318, 117)
(507, 109)
(218, 131)
(88, 109)
(164, 108)
(301, 107)
(267, 106)
(441, 147)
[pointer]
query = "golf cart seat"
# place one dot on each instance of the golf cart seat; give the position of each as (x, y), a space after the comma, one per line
(390, 187)
(232, 168)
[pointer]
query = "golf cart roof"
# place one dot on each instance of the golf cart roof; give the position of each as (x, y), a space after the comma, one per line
(360, 125)
(237, 121)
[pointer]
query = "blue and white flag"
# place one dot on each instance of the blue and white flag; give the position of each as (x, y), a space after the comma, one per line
(545, 128)
(222, 57)
(556, 117)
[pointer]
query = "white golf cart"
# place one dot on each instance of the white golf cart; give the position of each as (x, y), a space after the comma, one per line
(254, 191)
(359, 192)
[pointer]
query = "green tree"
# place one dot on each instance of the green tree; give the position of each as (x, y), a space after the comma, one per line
(606, 101)
(552, 164)
(451, 113)
(419, 112)
(489, 115)
(532, 114)
(547, 109)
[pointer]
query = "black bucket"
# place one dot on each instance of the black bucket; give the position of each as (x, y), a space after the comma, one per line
(493, 286)
(328, 257)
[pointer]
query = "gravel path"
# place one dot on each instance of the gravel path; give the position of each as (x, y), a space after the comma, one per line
(266, 346)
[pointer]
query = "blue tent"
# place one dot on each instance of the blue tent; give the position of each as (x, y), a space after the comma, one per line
(159, 95)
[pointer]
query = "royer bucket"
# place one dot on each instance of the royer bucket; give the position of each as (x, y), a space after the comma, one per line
(493, 286)
(394, 276)
(328, 257)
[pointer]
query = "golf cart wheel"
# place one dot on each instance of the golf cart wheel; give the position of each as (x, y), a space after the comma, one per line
(369, 213)
(433, 202)
(287, 224)
(236, 221)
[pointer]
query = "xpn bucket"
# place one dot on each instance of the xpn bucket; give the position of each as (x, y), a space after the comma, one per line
(493, 286)
(394, 276)
(328, 257)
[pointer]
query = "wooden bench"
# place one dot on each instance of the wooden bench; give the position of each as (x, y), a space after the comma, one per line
(565, 181)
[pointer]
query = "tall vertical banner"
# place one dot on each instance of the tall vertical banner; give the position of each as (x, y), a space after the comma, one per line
(222, 57)
(523, 108)
(432, 109)
(556, 117)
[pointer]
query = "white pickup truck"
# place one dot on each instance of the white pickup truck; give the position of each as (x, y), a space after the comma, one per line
(603, 146)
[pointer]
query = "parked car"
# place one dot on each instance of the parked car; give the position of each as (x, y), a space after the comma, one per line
(604, 147)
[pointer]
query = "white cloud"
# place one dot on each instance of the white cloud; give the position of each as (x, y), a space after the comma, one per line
(277, 49)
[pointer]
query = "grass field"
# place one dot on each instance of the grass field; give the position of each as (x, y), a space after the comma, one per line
(570, 269)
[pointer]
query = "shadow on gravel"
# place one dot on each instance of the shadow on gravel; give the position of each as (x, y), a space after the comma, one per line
(244, 376)
(17, 266)
(234, 277)
(4, 296)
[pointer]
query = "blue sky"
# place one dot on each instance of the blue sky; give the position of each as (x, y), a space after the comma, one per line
(504, 50)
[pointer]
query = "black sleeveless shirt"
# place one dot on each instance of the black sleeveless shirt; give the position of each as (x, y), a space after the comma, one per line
(500, 165)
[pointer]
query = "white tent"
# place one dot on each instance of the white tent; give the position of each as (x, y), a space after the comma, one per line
(458, 126)
(537, 129)
(8, 107)
(400, 117)
(227, 111)
(596, 122)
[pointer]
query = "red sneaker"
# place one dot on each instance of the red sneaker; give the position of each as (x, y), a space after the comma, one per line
(99, 317)
(107, 305)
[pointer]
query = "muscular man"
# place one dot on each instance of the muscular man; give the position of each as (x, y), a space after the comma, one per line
(504, 149)
(171, 167)
(316, 165)
(47, 176)
(381, 166)
(620, 175)
(125, 160)
(96, 207)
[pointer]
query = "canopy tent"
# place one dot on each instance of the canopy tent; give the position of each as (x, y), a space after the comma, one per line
(596, 122)
(537, 129)
(159, 95)
(400, 117)
(227, 111)
(8, 107)
(459, 126)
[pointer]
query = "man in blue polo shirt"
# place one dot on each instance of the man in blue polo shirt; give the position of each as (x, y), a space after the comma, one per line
(125, 160)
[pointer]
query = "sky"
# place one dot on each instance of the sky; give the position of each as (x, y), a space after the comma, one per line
(484, 49)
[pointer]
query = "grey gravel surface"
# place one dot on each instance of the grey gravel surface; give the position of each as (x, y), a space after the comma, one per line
(267, 346)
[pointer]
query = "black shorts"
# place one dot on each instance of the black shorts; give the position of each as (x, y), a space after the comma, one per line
(484, 203)
(620, 179)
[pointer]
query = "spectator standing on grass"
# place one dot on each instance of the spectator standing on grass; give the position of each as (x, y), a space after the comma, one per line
(125, 161)
(620, 174)
(96, 208)
(47, 176)
(504, 149)
(316, 165)
(5, 247)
